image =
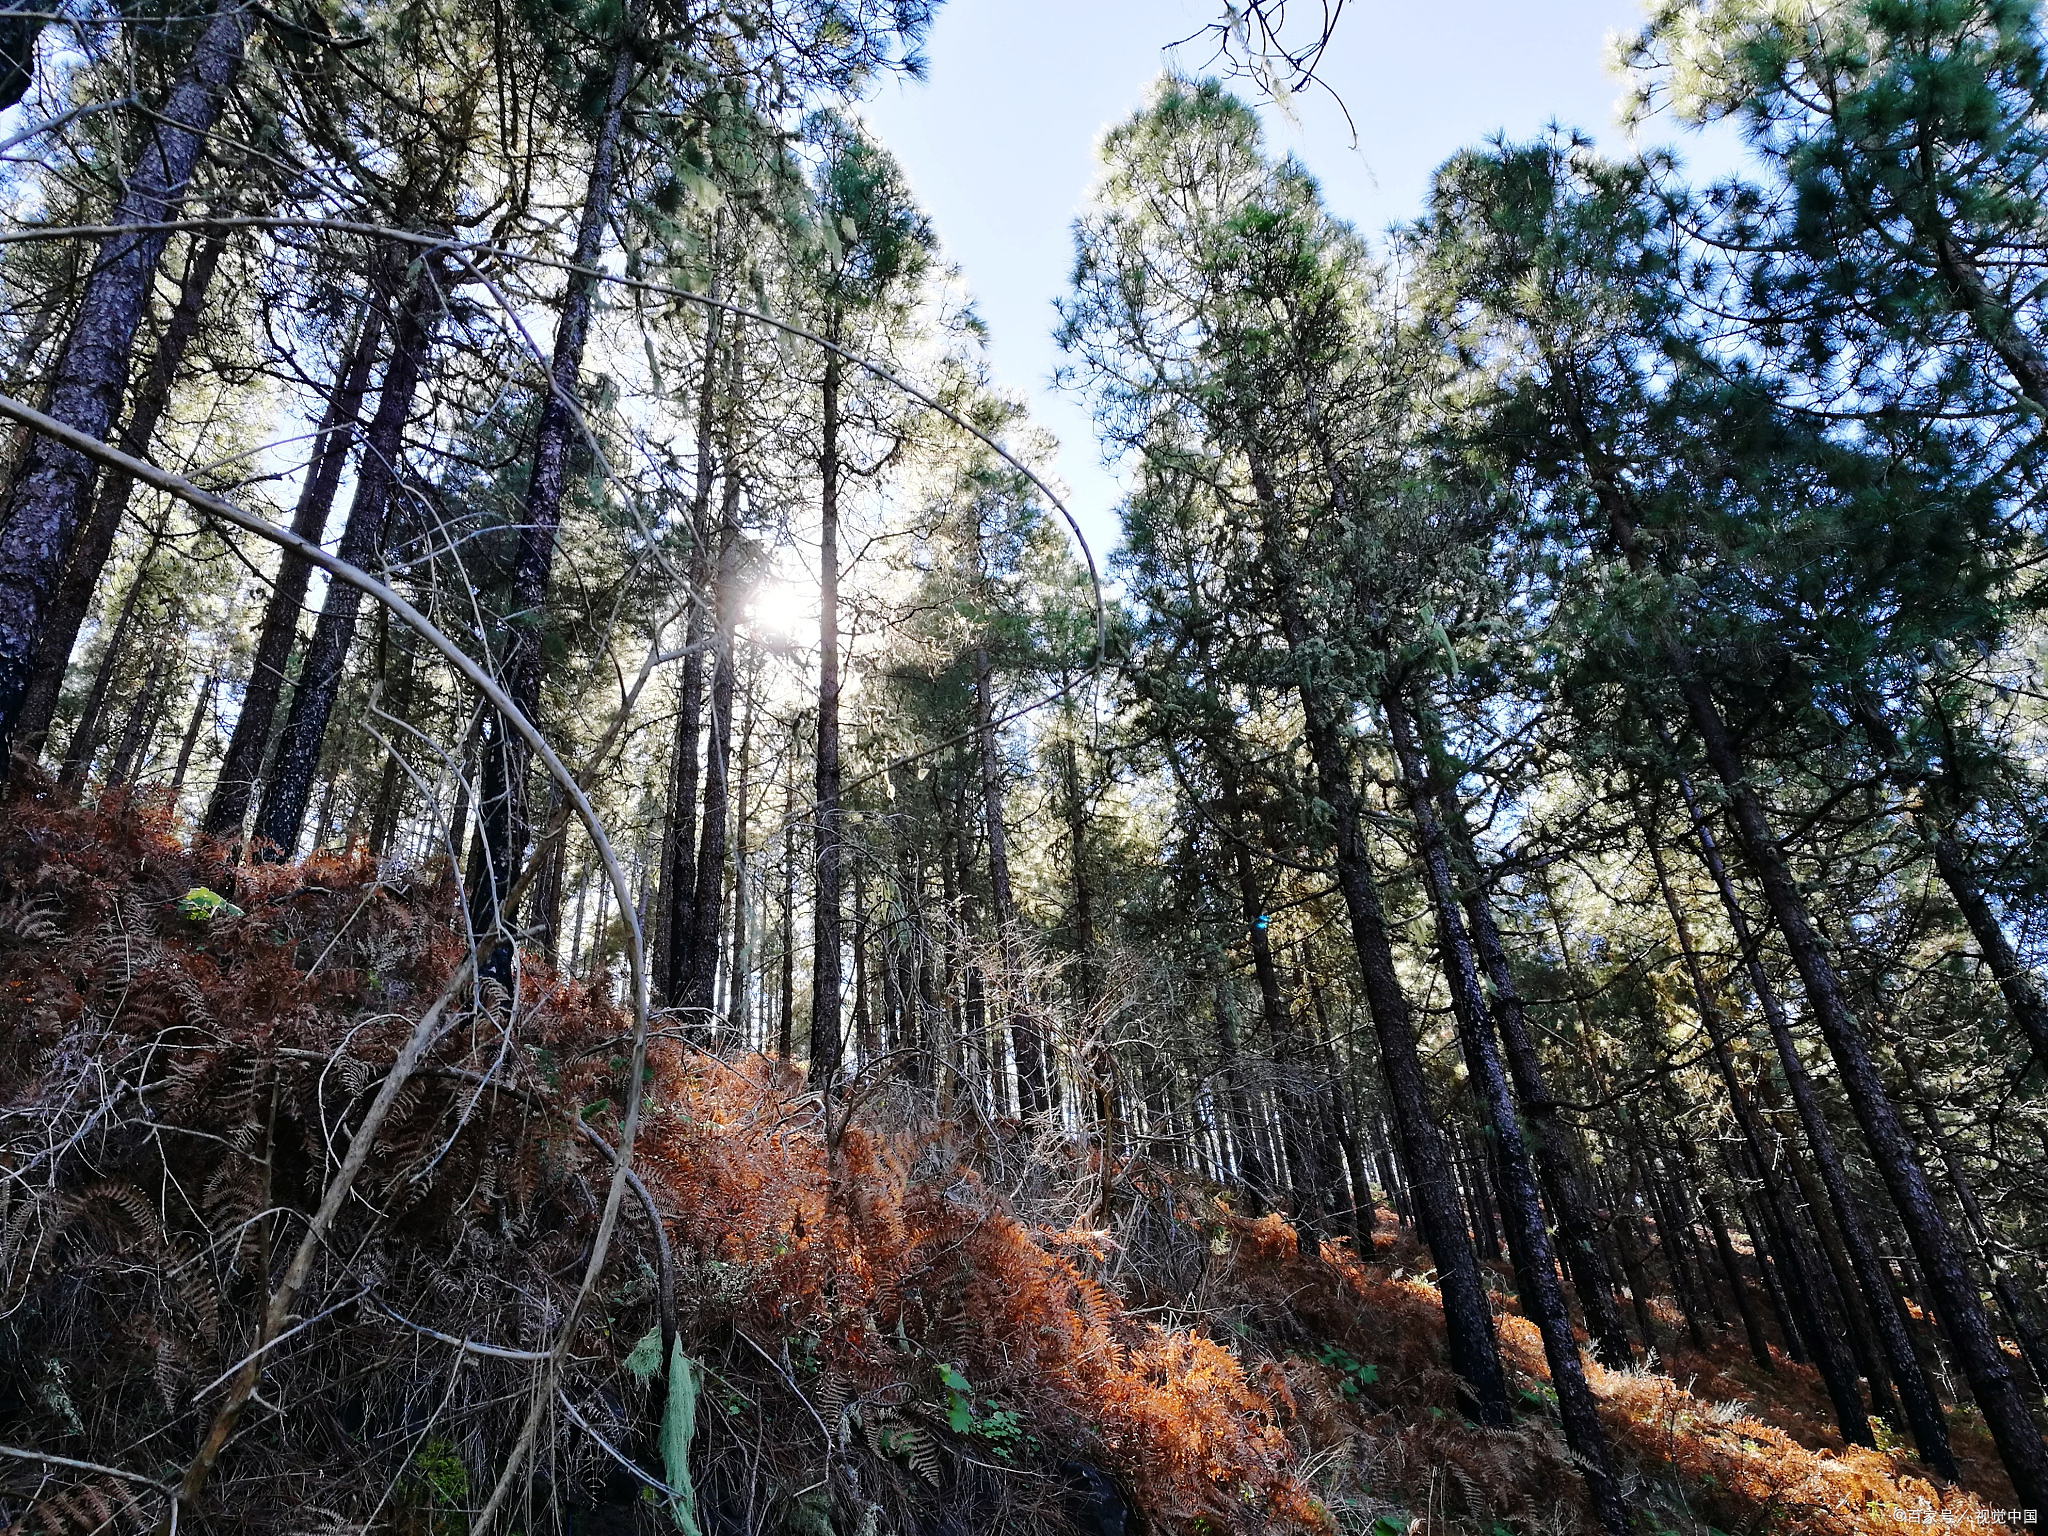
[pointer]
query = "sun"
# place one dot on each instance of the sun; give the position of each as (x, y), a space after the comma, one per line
(782, 609)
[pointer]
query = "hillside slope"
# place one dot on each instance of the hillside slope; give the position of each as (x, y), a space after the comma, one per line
(885, 1321)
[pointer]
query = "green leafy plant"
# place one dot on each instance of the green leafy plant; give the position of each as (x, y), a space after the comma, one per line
(202, 905)
(436, 1489)
(959, 1399)
(1353, 1375)
(1002, 1429)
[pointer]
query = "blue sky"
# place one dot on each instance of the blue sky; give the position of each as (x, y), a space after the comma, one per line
(1000, 144)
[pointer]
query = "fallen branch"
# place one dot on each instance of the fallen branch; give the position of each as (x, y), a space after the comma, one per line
(425, 1033)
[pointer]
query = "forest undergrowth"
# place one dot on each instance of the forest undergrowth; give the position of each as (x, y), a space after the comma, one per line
(885, 1321)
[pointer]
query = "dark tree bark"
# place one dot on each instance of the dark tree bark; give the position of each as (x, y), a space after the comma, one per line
(1991, 1380)
(676, 888)
(1916, 1394)
(95, 541)
(1343, 1123)
(40, 515)
(1252, 1165)
(958, 981)
(384, 815)
(863, 1012)
(1297, 1115)
(1543, 1295)
(1391, 1181)
(739, 1004)
(2020, 1444)
(1642, 1155)
(21, 23)
(85, 735)
(1992, 1384)
(1555, 1162)
(1468, 1324)
(201, 707)
(679, 884)
(1844, 1294)
(505, 810)
(1100, 1063)
(242, 765)
(1816, 1323)
(2015, 980)
(458, 815)
(2018, 1315)
(708, 904)
(127, 757)
(826, 1041)
(1027, 1036)
(1479, 1206)
(1759, 1242)
(305, 730)
(1688, 1195)
(1745, 1304)
(785, 1015)
(1632, 1249)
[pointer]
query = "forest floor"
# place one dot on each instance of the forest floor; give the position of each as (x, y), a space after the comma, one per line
(892, 1321)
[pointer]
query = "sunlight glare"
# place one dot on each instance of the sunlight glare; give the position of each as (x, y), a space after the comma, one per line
(782, 608)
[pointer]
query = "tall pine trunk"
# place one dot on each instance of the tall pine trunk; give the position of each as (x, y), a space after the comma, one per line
(785, 1013)
(1922, 1408)
(1555, 1163)
(504, 808)
(708, 906)
(390, 788)
(1731, 1270)
(826, 851)
(305, 730)
(2015, 980)
(1475, 1353)
(1027, 1036)
(1101, 1065)
(242, 765)
(1990, 1375)
(739, 993)
(1251, 1162)
(1297, 1128)
(96, 538)
(47, 495)
(1343, 1123)
(85, 734)
(1823, 1337)
(129, 755)
(201, 708)
(678, 907)
(1984, 1364)
(1543, 1295)
(2018, 1315)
